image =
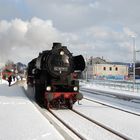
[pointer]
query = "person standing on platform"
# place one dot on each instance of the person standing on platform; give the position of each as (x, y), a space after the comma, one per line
(9, 80)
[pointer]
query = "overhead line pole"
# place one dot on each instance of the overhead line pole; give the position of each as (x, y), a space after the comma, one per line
(134, 61)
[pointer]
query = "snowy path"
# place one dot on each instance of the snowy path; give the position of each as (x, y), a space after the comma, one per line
(19, 118)
(120, 121)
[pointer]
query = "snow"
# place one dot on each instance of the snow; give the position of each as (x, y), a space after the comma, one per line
(20, 119)
(87, 129)
(125, 123)
(111, 90)
(113, 101)
(120, 121)
(6, 82)
(132, 105)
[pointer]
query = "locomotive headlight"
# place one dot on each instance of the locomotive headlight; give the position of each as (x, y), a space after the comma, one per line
(62, 53)
(48, 88)
(75, 88)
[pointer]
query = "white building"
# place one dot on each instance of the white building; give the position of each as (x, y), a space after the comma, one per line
(98, 68)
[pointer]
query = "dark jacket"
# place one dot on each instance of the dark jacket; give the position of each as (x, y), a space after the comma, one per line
(10, 79)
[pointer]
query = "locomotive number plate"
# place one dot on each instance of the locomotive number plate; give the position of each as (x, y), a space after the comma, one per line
(60, 69)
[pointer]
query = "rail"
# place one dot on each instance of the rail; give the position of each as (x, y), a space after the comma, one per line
(103, 126)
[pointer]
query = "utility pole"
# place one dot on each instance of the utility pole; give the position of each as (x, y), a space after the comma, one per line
(134, 61)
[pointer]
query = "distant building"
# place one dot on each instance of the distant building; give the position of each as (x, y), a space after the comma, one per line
(108, 71)
(96, 60)
(98, 68)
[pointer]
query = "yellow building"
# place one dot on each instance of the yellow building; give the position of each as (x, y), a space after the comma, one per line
(108, 70)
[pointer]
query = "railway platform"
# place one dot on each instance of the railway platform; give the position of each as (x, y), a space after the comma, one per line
(19, 118)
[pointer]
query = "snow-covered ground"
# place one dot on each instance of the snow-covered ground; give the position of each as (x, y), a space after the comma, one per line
(132, 105)
(122, 122)
(88, 130)
(20, 119)
(6, 82)
(93, 86)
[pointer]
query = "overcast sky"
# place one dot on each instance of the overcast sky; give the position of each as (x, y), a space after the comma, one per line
(98, 28)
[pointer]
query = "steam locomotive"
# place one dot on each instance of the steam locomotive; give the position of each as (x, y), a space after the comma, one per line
(53, 74)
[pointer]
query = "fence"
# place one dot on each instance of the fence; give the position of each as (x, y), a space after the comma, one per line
(117, 84)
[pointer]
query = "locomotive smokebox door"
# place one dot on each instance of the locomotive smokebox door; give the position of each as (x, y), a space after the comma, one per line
(79, 63)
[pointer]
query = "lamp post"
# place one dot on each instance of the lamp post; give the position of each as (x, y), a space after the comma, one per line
(134, 60)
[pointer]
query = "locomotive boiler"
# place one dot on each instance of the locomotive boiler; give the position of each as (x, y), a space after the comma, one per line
(53, 74)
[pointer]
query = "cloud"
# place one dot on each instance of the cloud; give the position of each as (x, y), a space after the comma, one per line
(79, 14)
(97, 27)
(129, 32)
(23, 40)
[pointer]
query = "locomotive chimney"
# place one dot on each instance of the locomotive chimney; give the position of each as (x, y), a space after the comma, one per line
(56, 44)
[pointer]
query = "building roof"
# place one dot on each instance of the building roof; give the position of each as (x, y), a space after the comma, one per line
(96, 60)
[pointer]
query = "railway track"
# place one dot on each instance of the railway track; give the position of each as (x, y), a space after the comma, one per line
(120, 121)
(79, 134)
(93, 122)
(124, 137)
(69, 127)
(67, 132)
(105, 104)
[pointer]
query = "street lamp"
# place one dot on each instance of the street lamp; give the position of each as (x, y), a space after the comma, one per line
(134, 60)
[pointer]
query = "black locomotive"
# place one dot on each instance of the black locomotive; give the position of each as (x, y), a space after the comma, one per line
(53, 74)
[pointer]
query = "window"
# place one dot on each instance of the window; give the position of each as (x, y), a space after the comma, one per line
(110, 68)
(116, 68)
(104, 68)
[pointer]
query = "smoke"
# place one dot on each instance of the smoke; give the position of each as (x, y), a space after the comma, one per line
(22, 40)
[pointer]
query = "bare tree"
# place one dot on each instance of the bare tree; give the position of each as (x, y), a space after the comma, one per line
(9, 62)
